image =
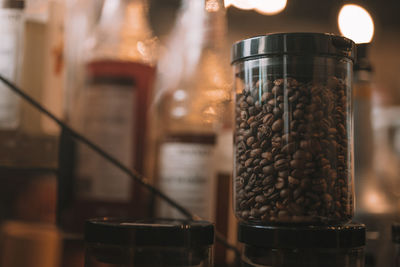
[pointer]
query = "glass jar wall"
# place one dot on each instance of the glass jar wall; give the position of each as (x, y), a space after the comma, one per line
(293, 129)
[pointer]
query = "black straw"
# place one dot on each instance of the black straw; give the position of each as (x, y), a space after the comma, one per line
(131, 172)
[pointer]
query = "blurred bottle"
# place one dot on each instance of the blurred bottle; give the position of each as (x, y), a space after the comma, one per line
(192, 97)
(11, 31)
(375, 206)
(28, 153)
(111, 110)
(43, 65)
(29, 244)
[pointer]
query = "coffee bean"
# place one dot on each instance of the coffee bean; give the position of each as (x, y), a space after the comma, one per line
(264, 209)
(269, 169)
(255, 152)
(327, 198)
(277, 112)
(297, 164)
(284, 193)
(289, 148)
(292, 152)
(250, 140)
(248, 162)
(267, 156)
(281, 165)
(299, 154)
(280, 183)
(298, 114)
(260, 199)
(293, 181)
(268, 119)
(297, 173)
(283, 214)
(283, 174)
(277, 125)
(250, 100)
(268, 180)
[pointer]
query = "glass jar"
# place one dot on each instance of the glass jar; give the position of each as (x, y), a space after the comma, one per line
(293, 129)
(304, 246)
(158, 242)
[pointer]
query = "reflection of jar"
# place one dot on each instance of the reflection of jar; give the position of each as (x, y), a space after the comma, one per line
(326, 246)
(293, 133)
(163, 242)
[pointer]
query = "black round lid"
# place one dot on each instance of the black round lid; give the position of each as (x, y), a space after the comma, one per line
(153, 232)
(347, 236)
(293, 44)
(396, 233)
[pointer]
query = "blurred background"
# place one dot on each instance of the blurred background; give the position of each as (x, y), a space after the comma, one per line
(59, 51)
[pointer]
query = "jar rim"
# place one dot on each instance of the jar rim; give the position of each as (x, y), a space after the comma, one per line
(150, 232)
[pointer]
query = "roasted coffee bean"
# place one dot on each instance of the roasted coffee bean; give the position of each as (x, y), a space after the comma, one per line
(268, 119)
(264, 209)
(267, 156)
(293, 181)
(281, 165)
(277, 125)
(255, 152)
(260, 199)
(289, 148)
(250, 140)
(298, 114)
(284, 193)
(297, 164)
(269, 169)
(283, 174)
(248, 162)
(280, 183)
(268, 180)
(292, 152)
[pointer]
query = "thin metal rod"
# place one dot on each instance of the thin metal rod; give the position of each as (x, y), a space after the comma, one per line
(132, 173)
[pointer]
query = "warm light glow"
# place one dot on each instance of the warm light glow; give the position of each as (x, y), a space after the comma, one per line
(356, 23)
(269, 7)
(375, 202)
(266, 7)
(242, 4)
(228, 3)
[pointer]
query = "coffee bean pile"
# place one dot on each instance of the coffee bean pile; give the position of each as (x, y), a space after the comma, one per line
(292, 152)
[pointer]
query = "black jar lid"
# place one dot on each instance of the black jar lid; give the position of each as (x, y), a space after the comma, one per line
(347, 236)
(293, 44)
(396, 233)
(152, 232)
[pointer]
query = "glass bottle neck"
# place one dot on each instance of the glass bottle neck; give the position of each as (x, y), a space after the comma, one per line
(214, 21)
(126, 15)
(215, 24)
(123, 32)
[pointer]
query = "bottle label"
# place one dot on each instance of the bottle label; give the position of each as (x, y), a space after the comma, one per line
(108, 120)
(10, 48)
(186, 176)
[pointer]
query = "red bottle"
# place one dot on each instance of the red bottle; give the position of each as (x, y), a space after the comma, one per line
(112, 111)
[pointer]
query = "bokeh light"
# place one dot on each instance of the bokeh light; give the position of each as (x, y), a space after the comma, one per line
(356, 23)
(266, 7)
